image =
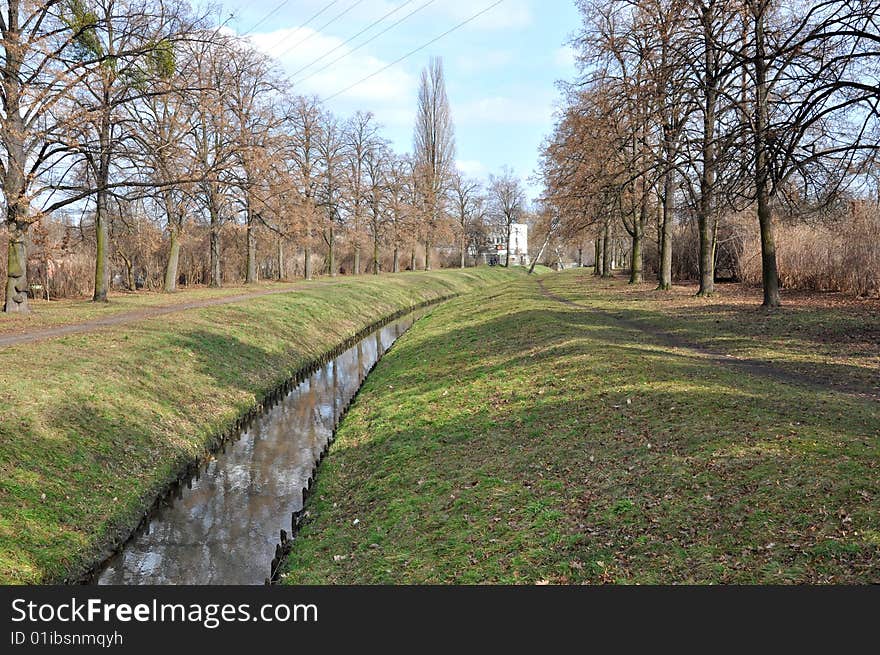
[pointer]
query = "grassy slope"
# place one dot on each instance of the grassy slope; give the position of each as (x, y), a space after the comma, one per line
(62, 312)
(93, 424)
(827, 336)
(510, 438)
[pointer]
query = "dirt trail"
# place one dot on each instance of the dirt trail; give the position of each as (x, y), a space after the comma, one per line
(134, 316)
(750, 366)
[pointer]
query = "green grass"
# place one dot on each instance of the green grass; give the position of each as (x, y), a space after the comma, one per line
(94, 424)
(830, 337)
(45, 314)
(509, 438)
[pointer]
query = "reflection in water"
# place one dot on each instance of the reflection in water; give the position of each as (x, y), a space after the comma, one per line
(224, 527)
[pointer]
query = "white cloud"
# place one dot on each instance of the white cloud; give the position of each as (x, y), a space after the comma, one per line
(509, 15)
(487, 61)
(504, 110)
(472, 167)
(296, 48)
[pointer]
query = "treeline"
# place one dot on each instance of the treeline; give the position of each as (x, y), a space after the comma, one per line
(724, 138)
(143, 145)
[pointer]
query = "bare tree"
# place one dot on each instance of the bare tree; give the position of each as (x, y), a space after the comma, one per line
(162, 134)
(377, 166)
(305, 123)
(508, 200)
(213, 139)
(41, 67)
(331, 150)
(251, 93)
(434, 148)
(467, 204)
(134, 38)
(361, 141)
(811, 107)
(400, 211)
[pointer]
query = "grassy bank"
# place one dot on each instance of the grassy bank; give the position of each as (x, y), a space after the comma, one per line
(47, 314)
(513, 438)
(94, 424)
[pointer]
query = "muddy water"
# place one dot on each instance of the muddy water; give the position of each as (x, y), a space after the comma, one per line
(224, 526)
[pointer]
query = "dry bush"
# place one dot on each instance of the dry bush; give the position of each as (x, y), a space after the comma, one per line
(685, 251)
(60, 259)
(447, 258)
(686, 248)
(841, 256)
(651, 257)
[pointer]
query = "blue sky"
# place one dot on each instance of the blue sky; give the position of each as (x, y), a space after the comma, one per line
(501, 69)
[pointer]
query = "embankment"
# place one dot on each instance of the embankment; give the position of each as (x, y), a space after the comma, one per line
(567, 429)
(95, 425)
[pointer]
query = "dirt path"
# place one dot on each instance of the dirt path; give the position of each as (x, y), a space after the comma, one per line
(750, 366)
(134, 316)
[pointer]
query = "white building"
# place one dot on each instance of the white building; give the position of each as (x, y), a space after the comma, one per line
(496, 255)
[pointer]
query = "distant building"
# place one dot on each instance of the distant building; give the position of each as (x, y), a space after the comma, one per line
(496, 252)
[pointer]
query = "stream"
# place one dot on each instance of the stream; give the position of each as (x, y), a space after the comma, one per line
(223, 526)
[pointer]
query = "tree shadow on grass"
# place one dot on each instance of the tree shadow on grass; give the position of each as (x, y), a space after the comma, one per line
(84, 475)
(676, 333)
(710, 480)
(101, 453)
(224, 358)
(633, 331)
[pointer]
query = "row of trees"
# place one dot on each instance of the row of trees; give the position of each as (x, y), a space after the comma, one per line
(123, 109)
(703, 110)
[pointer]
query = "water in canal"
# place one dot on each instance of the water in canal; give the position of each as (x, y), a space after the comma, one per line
(224, 526)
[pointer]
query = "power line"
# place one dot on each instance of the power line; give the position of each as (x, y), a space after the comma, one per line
(352, 38)
(355, 49)
(281, 6)
(319, 30)
(412, 52)
(267, 17)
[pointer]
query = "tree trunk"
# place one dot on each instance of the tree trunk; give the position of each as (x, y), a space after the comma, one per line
(640, 223)
(395, 266)
(216, 274)
(251, 237)
(707, 221)
(129, 274)
(463, 248)
(331, 255)
(307, 264)
(635, 274)
(14, 180)
(666, 235)
(607, 264)
(412, 260)
(541, 251)
(707, 255)
(507, 256)
(769, 271)
(597, 264)
(280, 253)
(357, 258)
(427, 256)
(171, 265)
(16, 265)
(375, 255)
(102, 249)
